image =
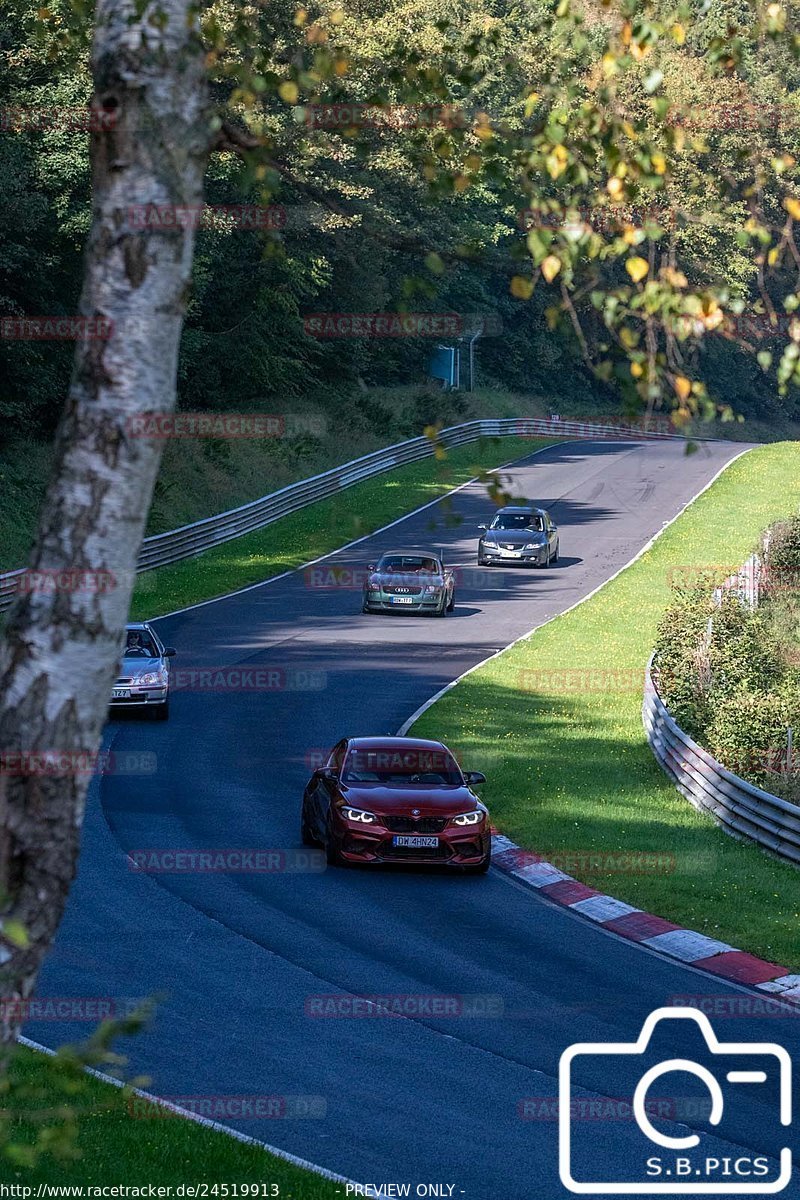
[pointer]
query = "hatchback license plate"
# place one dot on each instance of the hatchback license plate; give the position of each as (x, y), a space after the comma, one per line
(120, 693)
(402, 600)
(418, 842)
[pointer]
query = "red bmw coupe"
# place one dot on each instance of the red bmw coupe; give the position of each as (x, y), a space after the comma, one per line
(390, 800)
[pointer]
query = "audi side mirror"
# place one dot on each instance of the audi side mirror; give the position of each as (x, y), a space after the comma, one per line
(475, 777)
(170, 652)
(327, 773)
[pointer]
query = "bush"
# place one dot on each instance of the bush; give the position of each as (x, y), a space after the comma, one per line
(748, 735)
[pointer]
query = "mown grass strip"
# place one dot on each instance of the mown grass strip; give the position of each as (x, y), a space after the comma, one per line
(320, 528)
(558, 720)
(121, 1139)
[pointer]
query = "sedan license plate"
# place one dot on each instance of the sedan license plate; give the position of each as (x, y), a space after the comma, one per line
(417, 842)
(402, 600)
(120, 693)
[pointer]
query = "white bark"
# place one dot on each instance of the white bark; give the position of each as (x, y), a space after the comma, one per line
(61, 651)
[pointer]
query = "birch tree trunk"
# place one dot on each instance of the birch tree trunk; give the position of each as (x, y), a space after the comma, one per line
(62, 648)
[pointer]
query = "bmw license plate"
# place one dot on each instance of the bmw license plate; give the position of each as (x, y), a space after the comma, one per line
(402, 600)
(417, 842)
(120, 693)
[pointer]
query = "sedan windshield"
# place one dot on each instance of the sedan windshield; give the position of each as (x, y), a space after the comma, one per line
(517, 521)
(397, 767)
(402, 564)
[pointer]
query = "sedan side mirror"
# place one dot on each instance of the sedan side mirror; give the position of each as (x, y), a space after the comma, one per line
(371, 567)
(170, 652)
(475, 777)
(327, 773)
(482, 527)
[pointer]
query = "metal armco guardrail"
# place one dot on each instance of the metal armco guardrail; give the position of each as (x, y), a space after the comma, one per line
(189, 540)
(741, 808)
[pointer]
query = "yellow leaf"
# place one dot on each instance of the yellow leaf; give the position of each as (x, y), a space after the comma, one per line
(288, 91)
(550, 267)
(683, 386)
(336, 17)
(792, 206)
(301, 16)
(531, 100)
(614, 186)
(679, 33)
(472, 162)
(637, 268)
(460, 183)
(340, 66)
(521, 287)
(610, 65)
(637, 370)
(659, 163)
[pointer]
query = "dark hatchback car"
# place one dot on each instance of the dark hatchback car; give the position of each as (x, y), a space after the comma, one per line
(396, 800)
(409, 581)
(519, 534)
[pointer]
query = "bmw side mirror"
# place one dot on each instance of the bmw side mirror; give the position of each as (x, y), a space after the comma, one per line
(475, 777)
(170, 652)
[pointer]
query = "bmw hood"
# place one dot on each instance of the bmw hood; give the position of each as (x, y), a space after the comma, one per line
(445, 801)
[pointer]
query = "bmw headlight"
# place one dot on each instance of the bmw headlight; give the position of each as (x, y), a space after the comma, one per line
(469, 818)
(359, 816)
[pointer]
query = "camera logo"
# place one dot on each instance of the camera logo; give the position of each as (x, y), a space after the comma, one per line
(694, 1163)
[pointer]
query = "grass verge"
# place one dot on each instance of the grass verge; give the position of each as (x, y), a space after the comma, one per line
(120, 1139)
(558, 720)
(320, 528)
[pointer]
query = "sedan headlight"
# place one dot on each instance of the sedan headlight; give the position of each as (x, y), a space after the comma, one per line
(152, 679)
(470, 818)
(359, 815)
(533, 546)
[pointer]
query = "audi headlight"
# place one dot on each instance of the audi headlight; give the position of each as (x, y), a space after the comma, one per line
(470, 818)
(431, 589)
(359, 815)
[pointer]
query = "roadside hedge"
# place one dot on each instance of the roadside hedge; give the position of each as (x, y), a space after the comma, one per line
(730, 674)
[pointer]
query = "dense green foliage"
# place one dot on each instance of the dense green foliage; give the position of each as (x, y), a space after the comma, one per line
(729, 673)
(385, 216)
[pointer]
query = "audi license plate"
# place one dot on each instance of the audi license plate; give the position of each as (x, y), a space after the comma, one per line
(417, 842)
(120, 693)
(402, 600)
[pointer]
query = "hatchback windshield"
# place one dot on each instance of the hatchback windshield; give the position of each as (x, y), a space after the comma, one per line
(140, 645)
(394, 767)
(518, 521)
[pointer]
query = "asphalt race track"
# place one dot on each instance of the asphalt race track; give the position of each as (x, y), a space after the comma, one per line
(426, 1099)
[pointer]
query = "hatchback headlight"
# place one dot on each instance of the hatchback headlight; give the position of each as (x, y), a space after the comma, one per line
(359, 815)
(152, 679)
(469, 818)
